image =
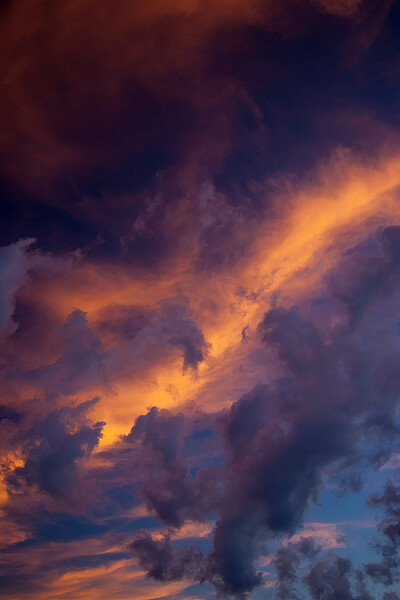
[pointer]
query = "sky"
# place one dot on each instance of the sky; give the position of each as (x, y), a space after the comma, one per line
(200, 300)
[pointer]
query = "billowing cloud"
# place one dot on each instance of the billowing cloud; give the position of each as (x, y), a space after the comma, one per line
(163, 562)
(199, 388)
(331, 400)
(169, 488)
(387, 571)
(54, 448)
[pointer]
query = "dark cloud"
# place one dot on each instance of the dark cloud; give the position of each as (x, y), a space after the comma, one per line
(15, 584)
(390, 596)
(117, 119)
(336, 397)
(14, 266)
(287, 562)
(54, 448)
(330, 581)
(168, 486)
(278, 475)
(387, 571)
(268, 476)
(335, 578)
(383, 572)
(162, 431)
(165, 562)
(9, 414)
(82, 362)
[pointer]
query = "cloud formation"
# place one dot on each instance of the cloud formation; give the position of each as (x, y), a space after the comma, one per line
(331, 401)
(14, 271)
(54, 448)
(199, 304)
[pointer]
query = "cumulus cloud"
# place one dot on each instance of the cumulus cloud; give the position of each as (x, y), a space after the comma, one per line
(330, 580)
(387, 571)
(168, 486)
(164, 562)
(336, 397)
(54, 449)
(287, 563)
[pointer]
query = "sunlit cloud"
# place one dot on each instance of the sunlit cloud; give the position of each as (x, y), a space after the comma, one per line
(199, 305)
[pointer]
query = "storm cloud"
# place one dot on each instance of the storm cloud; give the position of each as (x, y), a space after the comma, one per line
(199, 299)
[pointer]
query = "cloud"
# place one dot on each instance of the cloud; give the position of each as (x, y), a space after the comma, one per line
(155, 331)
(164, 562)
(123, 70)
(330, 407)
(229, 280)
(335, 396)
(14, 266)
(20, 267)
(135, 340)
(168, 487)
(330, 580)
(9, 414)
(127, 83)
(339, 8)
(287, 563)
(387, 571)
(54, 449)
(390, 596)
(82, 362)
(326, 535)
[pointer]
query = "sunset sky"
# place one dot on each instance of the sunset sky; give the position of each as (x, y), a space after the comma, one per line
(200, 299)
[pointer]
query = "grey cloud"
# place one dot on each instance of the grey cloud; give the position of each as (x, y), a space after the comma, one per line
(54, 449)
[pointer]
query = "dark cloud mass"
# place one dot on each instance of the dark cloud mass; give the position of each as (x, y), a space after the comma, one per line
(199, 299)
(332, 401)
(163, 562)
(54, 448)
(168, 486)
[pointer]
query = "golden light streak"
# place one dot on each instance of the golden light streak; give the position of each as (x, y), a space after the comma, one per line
(289, 255)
